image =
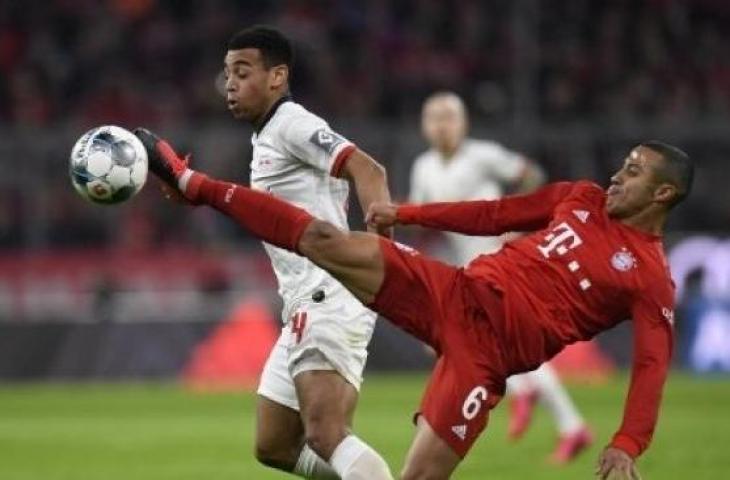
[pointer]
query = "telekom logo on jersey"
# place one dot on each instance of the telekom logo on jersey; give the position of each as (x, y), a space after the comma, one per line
(562, 239)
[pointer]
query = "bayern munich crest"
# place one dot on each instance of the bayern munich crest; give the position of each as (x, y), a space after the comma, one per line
(623, 260)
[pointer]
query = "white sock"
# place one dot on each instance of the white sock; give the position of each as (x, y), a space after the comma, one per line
(354, 459)
(311, 466)
(182, 182)
(519, 384)
(556, 399)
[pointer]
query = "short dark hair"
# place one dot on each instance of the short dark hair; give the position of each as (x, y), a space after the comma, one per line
(678, 167)
(275, 48)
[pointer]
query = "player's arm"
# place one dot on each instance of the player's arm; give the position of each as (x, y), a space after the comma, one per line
(371, 183)
(309, 139)
(531, 177)
(518, 213)
(653, 341)
(514, 170)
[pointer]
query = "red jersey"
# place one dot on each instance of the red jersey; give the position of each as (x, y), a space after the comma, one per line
(578, 274)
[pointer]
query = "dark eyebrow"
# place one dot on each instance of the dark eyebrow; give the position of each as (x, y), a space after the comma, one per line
(238, 62)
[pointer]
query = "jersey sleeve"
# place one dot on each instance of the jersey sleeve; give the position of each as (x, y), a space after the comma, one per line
(518, 213)
(502, 164)
(311, 140)
(653, 314)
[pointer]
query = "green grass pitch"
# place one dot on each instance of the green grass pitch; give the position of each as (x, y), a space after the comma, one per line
(160, 431)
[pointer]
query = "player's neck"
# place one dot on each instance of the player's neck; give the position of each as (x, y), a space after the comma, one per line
(648, 220)
(447, 153)
(269, 111)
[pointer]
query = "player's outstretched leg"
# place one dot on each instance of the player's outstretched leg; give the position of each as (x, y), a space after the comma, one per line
(353, 258)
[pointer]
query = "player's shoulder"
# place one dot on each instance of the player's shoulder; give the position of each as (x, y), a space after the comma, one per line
(424, 161)
(291, 113)
(587, 187)
(581, 190)
(489, 149)
(588, 192)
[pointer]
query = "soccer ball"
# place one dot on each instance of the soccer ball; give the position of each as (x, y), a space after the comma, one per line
(108, 165)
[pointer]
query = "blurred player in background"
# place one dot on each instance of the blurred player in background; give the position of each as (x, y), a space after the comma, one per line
(309, 387)
(460, 168)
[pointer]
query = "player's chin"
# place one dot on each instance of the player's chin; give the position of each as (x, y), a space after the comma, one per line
(615, 211)
(611, 208)
(237, 113)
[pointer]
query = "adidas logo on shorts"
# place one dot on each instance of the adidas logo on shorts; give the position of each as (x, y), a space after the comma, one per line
(459, 431)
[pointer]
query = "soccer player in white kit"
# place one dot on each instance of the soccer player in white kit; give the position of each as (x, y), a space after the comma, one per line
(459, 168)
(309, 386)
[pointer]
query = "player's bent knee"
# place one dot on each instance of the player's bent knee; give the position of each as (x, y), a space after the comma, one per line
(317, 236)
(323, 438)
(276, 456)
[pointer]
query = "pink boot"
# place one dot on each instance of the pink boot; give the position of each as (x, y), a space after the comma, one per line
(570, 445)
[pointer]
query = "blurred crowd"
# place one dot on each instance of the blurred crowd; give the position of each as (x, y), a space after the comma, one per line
(158, 63)
(157, 60)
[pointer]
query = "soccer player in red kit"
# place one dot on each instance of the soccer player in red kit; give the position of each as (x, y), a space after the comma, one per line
(594, 259)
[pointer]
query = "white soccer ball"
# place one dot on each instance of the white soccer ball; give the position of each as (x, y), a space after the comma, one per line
(108, 165)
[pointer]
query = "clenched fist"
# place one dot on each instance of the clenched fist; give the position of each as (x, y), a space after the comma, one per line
(381, 215)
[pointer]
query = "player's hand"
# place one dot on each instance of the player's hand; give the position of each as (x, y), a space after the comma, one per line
(614, 463)
(381, 215)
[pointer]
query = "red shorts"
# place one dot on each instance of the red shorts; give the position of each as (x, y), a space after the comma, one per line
(430, 300)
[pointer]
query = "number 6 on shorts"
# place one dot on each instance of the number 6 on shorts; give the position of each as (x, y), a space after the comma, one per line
(473, 402)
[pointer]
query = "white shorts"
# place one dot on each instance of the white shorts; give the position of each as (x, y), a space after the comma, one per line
(328, 335)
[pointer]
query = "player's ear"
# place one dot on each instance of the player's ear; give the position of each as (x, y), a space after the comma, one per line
(278, 76)
(666, 193)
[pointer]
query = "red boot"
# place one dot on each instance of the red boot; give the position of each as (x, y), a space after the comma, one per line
(521, 408)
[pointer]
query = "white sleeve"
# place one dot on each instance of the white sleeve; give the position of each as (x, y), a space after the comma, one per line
(417, 192)
(311, 140)
(503, 164)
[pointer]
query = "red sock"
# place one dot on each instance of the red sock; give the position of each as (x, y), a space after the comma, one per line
(272, 220)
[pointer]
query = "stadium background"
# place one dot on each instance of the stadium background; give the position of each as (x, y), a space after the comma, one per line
(149, 291)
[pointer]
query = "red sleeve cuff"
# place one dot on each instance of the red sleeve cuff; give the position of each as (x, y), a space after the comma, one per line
(406, 214)
(340, 159)
(627, 444)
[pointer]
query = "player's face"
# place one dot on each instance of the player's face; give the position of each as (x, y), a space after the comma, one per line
(635, 186)
(444, 123)
(248, 84)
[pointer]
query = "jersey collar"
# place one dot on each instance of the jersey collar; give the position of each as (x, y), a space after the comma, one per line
(640, 233)
(272, 111)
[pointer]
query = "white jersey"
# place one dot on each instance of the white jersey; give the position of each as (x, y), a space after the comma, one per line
(296, 157)
(478, 170)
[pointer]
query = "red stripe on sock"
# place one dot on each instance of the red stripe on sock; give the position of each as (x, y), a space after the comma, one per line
(272, 220)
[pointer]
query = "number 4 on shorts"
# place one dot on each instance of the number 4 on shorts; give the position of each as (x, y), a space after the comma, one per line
(298, 324)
